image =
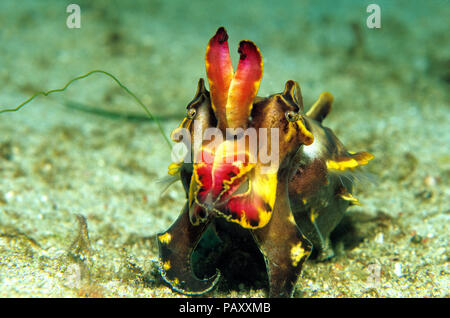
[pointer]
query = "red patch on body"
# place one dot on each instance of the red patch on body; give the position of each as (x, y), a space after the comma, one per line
(240, 206)
(219, 179)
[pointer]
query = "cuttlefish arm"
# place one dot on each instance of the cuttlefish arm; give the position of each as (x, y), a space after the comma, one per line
(175, 250)
(283, 246)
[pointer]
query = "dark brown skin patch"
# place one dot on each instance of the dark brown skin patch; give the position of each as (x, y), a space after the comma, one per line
(308, 179)
(275, 240)
(177, 252)
(270, 113)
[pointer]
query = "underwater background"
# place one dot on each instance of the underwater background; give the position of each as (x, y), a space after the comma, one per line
(86, 162)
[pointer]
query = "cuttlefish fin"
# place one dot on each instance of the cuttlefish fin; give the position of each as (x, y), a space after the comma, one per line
(349, 161)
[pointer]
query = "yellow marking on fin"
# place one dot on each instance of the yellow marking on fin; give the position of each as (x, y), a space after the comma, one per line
(174, 168)
(357, 159)
(166, 265)
(342, 165)
(165, 238)
(313, 216)
(349, 197)
(297, 252)
(363, 157)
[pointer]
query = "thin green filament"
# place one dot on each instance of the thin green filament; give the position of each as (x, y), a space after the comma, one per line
(149, 114)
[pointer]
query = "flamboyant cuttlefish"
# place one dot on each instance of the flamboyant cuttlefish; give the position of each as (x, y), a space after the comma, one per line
(286, 206)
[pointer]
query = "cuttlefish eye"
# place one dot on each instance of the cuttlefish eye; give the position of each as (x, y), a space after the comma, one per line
(191, 112)
(291, 115)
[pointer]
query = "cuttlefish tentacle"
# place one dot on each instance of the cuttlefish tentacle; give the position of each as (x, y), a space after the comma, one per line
(220, 73)
(175, 249)
(283, 246)
(244, 85)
